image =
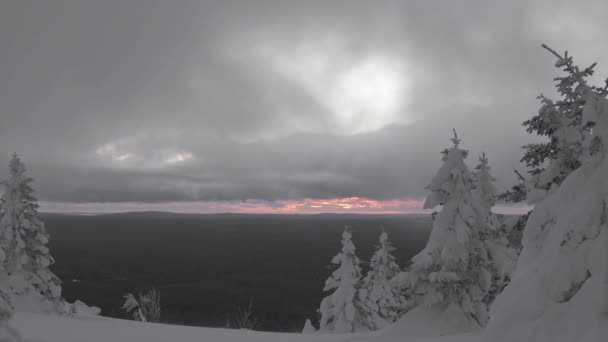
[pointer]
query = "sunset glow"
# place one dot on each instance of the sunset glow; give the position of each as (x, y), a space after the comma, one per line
(352, 205)
(355, 205)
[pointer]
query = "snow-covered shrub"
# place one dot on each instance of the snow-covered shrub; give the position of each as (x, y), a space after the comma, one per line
(308, 328)
(245, 318)
(23, 239)
(79, 309)
(379, 293)
(144, 308)
(343, 310)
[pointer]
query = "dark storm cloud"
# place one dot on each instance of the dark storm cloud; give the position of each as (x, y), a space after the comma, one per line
(85, 84)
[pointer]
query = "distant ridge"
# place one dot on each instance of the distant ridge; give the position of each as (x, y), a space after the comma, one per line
(170, 213)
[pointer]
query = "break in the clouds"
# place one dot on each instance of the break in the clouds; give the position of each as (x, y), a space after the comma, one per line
(237, 101)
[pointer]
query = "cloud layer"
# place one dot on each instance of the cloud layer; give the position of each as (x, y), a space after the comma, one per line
(156, 101)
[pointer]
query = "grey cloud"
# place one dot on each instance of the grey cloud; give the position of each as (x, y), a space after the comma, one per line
(77, 75)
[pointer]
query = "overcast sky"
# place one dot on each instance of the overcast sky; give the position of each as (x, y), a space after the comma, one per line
(247, 104)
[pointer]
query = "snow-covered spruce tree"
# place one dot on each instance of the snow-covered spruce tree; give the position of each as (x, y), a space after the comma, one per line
(379, 292)
(556, 290)
(450, 275)
(24, 239)
(343, 311)
(560, 121)
(502, 257)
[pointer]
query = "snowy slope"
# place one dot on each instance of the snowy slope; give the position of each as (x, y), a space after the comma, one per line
(44, 328)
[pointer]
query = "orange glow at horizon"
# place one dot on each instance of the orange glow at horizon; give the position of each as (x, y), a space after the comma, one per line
(345, 205)
(355, 205)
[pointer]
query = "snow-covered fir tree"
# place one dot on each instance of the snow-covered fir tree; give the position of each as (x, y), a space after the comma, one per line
(502, 257)
(24, 241)
(561, 272)
(560, 121)
(451, 273)
(379, 291)
(343, 311)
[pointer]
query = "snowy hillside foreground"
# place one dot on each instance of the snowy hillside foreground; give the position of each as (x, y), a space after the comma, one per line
(45, 328)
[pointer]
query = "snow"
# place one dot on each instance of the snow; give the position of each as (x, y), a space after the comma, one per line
(558, 289)
(428, 321)
(100, 329)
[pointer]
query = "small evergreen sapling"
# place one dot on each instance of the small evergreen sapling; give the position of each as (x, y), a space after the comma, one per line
(501, 257)
(308, 328)
(379, 291)
(343, 311)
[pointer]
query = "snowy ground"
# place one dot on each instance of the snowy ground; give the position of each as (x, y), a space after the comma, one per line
(42, 328)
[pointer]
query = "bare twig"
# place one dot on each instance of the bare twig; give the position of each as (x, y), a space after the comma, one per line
(519, 175)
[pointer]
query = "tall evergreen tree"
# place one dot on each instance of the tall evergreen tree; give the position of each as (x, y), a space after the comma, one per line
(380, 293)
(343, 311)
(451, 272)
(24, 240)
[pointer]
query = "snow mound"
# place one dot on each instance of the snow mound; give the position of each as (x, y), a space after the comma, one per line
(47, 328)
(424, 321)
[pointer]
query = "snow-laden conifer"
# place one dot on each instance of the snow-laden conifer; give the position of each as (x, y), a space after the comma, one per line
(379, 291)
(560, 121)
(501, 257)
(24, 241)
(451, 272)
(343, 311)
(560, 274)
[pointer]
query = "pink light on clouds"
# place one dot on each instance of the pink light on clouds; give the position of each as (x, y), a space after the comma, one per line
(354, 205)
